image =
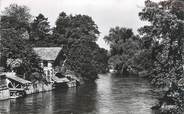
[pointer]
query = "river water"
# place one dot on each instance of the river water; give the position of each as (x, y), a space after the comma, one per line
(109, 95)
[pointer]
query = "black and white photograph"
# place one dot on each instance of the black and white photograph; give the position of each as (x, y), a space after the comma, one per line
(91, 56)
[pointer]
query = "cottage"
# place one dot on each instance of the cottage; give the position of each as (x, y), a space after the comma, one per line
(50, 58)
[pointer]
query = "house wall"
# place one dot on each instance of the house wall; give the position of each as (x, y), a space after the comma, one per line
(49, 64)
(48, 70)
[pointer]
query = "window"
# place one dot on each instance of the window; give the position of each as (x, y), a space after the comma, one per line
(45, 63)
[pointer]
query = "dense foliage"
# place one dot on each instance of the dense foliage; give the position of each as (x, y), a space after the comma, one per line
(164, 38)
(14, 35)
(165, 34)
(78, 34)
(40, 32)
(124, 46)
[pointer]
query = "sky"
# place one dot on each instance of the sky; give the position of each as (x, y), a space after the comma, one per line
(105, 13)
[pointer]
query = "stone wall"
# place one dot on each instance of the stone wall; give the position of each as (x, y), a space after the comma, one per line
(4, 93)
(38, 87)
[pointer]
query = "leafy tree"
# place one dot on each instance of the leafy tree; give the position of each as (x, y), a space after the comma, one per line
(75, 28)
(118, 34)
(142, 63)
(79, 34)
(16, 16)
(40, 31)
(80, 60)
(100, 59)
(164, 37)
(123, 46)
(14, 26)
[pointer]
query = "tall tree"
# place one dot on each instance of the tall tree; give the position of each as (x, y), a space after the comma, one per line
(164, 37)
(123, 46)
(40, 31)
(15, 16)
(79, 34)
(166, 32)
(76, 28)
(14, 26)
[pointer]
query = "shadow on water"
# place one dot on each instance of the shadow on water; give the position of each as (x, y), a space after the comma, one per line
(108, 95)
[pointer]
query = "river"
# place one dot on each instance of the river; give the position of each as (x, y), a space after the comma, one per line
(108, 95)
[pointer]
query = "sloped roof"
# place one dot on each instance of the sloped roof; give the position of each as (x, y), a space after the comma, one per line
(13, 76)
(19, 80)
(47, 53)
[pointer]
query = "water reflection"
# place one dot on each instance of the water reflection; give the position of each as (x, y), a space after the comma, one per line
(4, 106)
(125, 96)
(33, 104)
(109, 95)
(104, 96)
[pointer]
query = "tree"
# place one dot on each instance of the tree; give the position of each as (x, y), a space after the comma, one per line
(164, 38)
(16, 16)
(118, 34)
(100, 59)
(80, 61)
(75, 28)
(40, 31)
(79, 34)
(165, 34)
(14, 26)
(123, 47)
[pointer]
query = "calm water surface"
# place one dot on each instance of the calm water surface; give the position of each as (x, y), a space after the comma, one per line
(109, 95)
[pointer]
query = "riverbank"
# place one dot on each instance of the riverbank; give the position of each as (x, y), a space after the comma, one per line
(12, 86)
